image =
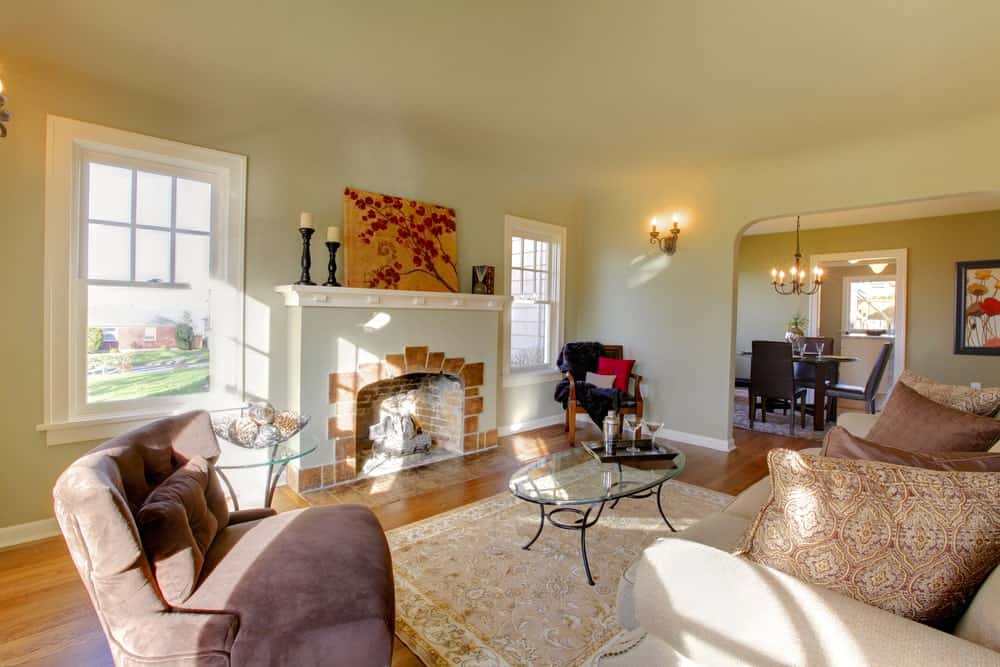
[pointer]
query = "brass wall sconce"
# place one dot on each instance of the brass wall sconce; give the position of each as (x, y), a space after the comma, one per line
(667, 244)
(4, 114)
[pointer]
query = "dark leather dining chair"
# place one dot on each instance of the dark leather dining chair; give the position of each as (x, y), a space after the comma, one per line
(772, 379)
(868, 393)
(805, 374)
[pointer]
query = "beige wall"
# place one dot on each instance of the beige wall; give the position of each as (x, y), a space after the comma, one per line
(680, 315)
(933, 245)
(297, 161)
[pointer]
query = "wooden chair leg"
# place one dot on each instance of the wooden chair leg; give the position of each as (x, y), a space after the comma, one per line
(763, 409)
(791, 422)
(832, 412)
(571, 412)
(803, 412)
(752, 408)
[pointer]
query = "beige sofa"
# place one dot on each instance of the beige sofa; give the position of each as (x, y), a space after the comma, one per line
(696, 604)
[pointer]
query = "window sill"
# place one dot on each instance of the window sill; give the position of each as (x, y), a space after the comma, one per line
(94, 428)
(525, 378)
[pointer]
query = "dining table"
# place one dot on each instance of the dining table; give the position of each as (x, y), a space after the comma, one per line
(822, 365)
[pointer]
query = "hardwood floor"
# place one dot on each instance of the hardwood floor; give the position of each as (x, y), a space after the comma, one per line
(46, 617)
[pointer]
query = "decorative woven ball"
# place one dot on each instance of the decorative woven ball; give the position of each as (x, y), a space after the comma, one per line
(243, 430)
(268, 435)
(262, 413)
(287, 422)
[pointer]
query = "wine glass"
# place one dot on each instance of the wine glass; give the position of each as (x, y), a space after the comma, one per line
(629, 429)
(819, 349)
(652, 425)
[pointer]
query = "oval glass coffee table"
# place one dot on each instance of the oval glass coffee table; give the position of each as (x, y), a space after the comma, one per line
(566, 480)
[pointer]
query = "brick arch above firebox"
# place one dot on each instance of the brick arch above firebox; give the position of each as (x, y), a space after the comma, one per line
(345, 386)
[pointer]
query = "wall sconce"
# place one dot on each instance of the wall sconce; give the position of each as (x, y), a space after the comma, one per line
(4, 114)
(667, 244)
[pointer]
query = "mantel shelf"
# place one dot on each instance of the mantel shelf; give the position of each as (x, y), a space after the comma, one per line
(359, 297)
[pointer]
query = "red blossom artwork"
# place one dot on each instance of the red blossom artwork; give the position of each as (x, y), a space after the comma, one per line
(396, 243)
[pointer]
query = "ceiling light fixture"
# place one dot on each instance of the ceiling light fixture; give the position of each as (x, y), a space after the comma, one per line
(878, 267)
(796, 273)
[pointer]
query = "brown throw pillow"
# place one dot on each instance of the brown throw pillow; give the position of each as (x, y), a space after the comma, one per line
(984, 402)
(917, 543)
(177, 526)
(910, 421)
(841, 444)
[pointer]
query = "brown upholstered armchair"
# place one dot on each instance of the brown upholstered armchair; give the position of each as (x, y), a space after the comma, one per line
(307, 587)
(631, 402)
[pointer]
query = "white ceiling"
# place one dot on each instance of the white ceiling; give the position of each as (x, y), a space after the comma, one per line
(926, 208)
(626, 84)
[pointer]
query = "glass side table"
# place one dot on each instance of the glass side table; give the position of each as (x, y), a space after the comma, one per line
(277, 458)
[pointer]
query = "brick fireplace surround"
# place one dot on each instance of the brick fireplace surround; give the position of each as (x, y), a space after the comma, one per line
(345, 388)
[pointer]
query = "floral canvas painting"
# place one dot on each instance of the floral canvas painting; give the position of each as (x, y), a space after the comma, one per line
(977, 322)
(397, 243)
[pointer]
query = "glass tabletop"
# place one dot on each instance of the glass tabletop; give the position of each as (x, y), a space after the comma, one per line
(574, 477)
(278, 455)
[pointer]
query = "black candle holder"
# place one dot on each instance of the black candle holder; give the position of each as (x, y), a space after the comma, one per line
(304, 279)
(331, 280)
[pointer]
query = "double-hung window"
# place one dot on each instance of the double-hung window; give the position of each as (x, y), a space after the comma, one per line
(534, 320)
(144, 277)
(869, 304)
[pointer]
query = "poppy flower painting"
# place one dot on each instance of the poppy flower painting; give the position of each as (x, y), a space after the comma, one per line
(397, 243)
(977, 316)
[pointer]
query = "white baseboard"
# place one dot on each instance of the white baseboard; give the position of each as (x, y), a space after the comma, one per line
(531, 424)
(28, 532)
(718, 444)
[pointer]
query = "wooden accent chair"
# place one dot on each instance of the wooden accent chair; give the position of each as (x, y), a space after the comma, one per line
(631, 403)
(772, 379)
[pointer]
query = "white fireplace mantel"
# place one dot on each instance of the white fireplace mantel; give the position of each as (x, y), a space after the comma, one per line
(358, 297)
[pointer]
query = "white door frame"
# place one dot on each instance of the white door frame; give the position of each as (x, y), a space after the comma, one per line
(898, 255)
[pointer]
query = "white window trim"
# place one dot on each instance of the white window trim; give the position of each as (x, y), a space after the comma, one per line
(516, 226)
(845, 306)
(67, 417)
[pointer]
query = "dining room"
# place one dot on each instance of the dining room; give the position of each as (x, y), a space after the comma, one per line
(832, 307)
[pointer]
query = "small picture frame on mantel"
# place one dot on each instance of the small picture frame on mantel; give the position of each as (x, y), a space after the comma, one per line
(482, 279)
(977, 307)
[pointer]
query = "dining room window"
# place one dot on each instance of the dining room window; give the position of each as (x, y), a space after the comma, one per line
(869, 305)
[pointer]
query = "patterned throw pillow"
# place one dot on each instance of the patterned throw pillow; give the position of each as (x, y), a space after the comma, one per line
(984, 402)
(917, 543)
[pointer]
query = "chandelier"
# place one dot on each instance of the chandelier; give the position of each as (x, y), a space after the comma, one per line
(797, 274)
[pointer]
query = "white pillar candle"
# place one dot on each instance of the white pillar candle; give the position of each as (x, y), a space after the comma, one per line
(306, 220)
(333, 234)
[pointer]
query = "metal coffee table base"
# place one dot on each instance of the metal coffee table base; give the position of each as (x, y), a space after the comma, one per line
(583, 521)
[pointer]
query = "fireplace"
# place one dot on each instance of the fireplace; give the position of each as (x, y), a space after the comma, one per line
(337, 356)
(409, 420)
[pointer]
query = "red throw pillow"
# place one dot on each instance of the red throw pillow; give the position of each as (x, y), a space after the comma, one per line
(620, 368)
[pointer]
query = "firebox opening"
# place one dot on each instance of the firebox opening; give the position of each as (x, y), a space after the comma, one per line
(408, 421)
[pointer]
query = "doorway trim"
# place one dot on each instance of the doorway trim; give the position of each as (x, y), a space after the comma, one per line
(898, 255)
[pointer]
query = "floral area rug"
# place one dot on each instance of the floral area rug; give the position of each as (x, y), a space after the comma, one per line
(467, 593)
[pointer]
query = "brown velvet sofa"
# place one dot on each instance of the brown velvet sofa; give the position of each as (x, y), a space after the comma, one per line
(308, 587)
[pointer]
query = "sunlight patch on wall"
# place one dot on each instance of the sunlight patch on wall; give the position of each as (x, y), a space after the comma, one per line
(645, 267)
